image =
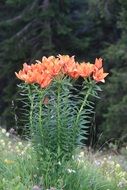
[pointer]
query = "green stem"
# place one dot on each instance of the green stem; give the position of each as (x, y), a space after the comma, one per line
(40, 122)
(83, 104)
(40, 113)
(58, 120)
(76, 129)
(31, 108)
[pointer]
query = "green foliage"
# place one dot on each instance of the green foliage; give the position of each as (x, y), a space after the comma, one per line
(19, 170)
(56, 125)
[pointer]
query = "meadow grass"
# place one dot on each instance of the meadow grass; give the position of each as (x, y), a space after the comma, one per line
(19, 170)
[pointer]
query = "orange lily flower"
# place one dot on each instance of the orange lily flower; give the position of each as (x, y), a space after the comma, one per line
(99, 75)
(74, 71)
(45, 81)
(86, 69)
(98, 63)
(23, 74)
(43, 72)
(54, 67)
(67, 62)
(26, 74)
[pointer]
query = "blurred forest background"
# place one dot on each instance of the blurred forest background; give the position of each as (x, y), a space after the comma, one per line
(84, 28)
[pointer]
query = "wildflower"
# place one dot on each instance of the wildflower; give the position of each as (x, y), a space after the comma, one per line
(1, 141)
(43, 72)
(86, 69)
(97, 163)
(74, 73)
(3, 131)
(99, 75)
(45, 81)
(9, 147)
(68, 63)
(110, 157)
(117, 166)
(122, 183)
(12, 131)
(23, 152)
(82, 154)
(59, 163)
(7, 134)
(53, 65)
(98, 64)
(71, 171)
(25, 74)
(20, 143)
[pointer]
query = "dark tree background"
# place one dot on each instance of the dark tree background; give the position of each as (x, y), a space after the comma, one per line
(85, 28)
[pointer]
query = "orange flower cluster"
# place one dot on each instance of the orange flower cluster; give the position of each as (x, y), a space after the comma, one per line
(43, 72)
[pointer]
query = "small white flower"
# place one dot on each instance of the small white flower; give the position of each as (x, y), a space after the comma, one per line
(71, 171)
(105, 159)
(20, 143)
(110, 157)
(3, 131)
(3, 143)
(81, 154)
(59, 163)
(117, 166)
(97, 162)
(1, 140)
(120, 184)
(7, 134)
(22, 153)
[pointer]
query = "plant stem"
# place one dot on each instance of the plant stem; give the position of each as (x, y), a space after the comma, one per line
(40, 113)
(31, 109)
(58, 120)
(83, 104)
(76, 128)
(41, 147)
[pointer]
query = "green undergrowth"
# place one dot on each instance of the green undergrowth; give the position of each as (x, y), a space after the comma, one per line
(19, 170)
